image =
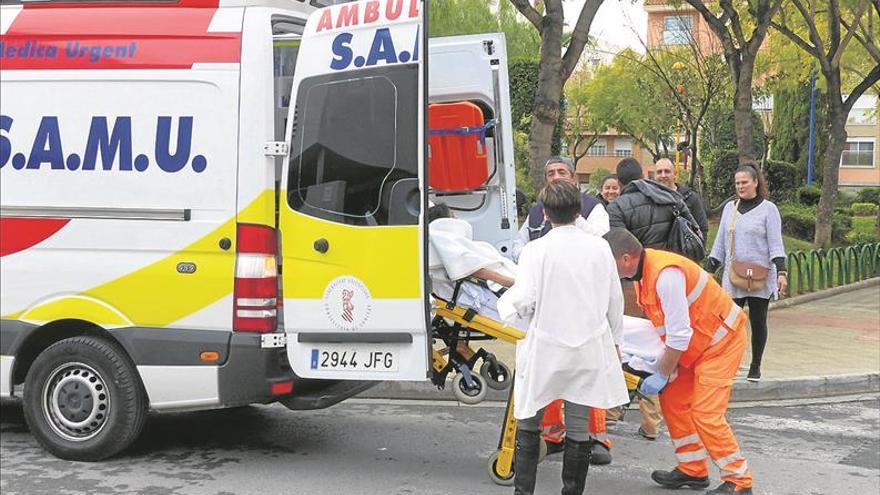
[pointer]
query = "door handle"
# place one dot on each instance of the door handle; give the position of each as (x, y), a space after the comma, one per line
(321, 245)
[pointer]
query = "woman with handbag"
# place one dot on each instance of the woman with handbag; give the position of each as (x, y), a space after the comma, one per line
(749, 246)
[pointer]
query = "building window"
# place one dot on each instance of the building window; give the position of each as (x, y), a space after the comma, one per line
(623, 147)
(677, 29)
(599, 148)
(858, 154)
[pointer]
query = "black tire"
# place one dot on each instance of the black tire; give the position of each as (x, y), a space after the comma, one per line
(83, 400)
(496, 374)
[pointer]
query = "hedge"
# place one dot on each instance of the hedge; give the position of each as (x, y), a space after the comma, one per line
(808, 195)
(800, 221)
(864, 209)
(869, 195)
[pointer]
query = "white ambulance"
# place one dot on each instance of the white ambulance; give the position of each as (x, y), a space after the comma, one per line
(207, 203)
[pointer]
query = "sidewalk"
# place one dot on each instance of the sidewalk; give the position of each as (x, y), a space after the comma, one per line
(823, 347)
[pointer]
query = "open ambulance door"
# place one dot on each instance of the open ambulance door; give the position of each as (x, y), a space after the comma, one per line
(353, 237)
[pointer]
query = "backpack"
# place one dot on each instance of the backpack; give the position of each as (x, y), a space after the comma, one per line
(684, 234)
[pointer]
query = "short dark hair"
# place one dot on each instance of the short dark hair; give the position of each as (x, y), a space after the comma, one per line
(607, 178)
(628, 170)
(440, 210)
(623, 242)
(561, 200)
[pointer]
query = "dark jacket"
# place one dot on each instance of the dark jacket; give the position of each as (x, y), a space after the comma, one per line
(645, 208)
(695, 204)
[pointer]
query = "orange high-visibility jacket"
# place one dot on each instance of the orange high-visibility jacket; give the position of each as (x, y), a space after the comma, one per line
(713, 313)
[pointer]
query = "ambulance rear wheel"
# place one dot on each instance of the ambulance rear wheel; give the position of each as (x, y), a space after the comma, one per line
(493, 472)
(469, 394)
(497, 375)
(83, 400)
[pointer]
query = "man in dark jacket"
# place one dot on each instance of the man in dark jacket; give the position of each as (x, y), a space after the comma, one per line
(666, 174)
(645, 208)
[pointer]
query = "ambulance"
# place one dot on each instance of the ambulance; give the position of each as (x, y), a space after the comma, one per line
(207, 204)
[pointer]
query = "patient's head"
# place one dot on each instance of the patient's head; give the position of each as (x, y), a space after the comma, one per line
(440, 210)
(561, 200)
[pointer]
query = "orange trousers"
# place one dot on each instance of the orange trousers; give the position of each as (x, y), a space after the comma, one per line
(553, 427)
(694, 407)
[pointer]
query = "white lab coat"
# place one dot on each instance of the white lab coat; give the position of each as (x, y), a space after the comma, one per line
(568, 285)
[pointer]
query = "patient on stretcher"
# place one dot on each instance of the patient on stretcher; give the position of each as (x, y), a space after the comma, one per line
(455, 256)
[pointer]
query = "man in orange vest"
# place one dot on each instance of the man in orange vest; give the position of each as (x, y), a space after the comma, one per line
(705, 337)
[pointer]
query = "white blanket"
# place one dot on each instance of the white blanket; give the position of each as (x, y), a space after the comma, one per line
(641, 347)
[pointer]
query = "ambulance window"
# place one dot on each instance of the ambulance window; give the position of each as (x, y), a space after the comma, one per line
(354, 151)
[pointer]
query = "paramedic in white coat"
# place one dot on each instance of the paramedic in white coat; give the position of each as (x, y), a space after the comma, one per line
(567, 284)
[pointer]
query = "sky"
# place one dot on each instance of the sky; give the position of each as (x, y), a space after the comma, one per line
(614, 23)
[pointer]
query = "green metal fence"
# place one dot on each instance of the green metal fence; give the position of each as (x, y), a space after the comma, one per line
(819, 269)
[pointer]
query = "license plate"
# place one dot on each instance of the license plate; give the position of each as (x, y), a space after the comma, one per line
(347, 358)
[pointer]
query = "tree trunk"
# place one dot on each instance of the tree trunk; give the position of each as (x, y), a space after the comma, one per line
(742, 110)
(830, 175)
(545, 113)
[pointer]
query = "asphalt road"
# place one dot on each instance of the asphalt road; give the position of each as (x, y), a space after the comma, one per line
(380, 447)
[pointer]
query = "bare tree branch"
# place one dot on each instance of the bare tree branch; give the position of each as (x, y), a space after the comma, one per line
(850, 32)
(580, 37)
(796, 39)
(735, 24)
(859, 90)
(815, 38)
(529, 12)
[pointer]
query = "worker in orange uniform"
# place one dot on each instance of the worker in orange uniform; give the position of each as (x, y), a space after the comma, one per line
(705, 337)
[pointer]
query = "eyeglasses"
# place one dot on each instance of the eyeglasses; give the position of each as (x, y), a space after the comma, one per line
(663, 172)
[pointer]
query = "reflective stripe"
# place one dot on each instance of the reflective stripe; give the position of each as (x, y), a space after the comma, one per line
(724, 461)
(728, 322)
(661, 330)
(681, 442)
(697, 455)
(698, 289)
(735, 474)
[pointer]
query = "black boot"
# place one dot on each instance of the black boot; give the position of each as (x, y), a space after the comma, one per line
(575, 464)
(677, 479)
(525, 462)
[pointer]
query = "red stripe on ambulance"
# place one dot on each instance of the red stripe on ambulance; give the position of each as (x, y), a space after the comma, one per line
(18, 234)
(117, 36)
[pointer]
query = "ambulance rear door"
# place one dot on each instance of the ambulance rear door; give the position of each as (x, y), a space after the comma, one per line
(353, 240)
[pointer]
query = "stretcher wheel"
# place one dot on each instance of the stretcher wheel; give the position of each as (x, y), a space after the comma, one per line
(467, 394)
(497, 375)
(493, 472)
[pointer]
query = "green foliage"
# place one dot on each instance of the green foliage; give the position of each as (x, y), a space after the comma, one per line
(720, 168)
(864, 230)
(783, 179)
(719, 131)
(864, 209)
(844, 199)
(808, 195)
(869, 195)
(791, 127)
(454, 17)
(799, 221)
(521, 161)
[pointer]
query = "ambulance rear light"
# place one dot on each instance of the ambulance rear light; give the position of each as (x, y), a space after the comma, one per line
(255, 297)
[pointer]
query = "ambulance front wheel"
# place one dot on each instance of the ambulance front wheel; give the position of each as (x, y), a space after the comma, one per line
(83, 400)
(493, 471)
(469, 394)
(497, 374)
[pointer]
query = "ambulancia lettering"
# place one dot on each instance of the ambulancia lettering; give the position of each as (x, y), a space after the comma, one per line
(108, 143)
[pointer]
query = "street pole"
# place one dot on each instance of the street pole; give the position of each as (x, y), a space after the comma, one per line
(812, 127)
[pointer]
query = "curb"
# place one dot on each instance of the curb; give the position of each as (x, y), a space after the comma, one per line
(810, 387)
(813, 296)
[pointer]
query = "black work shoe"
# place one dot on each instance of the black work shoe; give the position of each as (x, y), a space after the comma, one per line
(729, 487)
(677, 479)
(754, 373)
(601, 454)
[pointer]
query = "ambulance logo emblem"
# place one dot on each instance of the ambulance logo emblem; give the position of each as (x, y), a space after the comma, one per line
(347, 303)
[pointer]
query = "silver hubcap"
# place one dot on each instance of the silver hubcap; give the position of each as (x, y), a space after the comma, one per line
(75, 401)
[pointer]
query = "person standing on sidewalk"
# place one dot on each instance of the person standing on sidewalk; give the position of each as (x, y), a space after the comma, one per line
(666, 174)
(593, 220)
(570, 348)
(704, 337)
(751, 231)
